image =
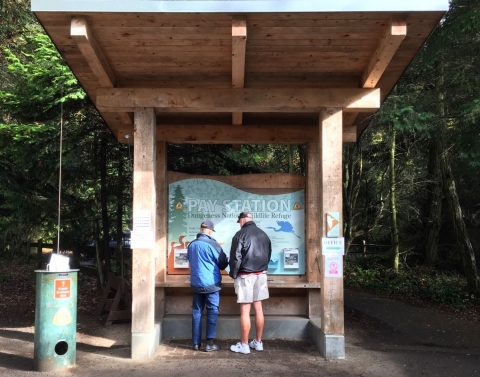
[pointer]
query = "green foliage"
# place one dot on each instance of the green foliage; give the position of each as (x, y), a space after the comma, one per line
(42, 82)
(372, 273)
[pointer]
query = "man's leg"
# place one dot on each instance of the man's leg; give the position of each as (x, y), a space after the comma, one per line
(212, 301)
(259, 320)
(245, 322)
(197, 309)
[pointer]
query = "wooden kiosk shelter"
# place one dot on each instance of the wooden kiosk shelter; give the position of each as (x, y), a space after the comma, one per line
(238, 72)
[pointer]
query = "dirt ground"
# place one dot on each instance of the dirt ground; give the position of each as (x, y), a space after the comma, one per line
(373, 347)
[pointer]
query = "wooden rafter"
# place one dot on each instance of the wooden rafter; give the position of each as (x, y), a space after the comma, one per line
(239, 47)
(84, 37)
(239, 43)
(234, 100)
(381, 58)
(388, 46)
(82, 34)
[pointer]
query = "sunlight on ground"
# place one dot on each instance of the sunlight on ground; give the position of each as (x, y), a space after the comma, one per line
(81, 337)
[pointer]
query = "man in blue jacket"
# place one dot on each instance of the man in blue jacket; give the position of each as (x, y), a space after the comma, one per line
(206, 259)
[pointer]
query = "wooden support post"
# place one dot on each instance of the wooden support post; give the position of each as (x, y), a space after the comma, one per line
(331, 297)
(313, 231)
(145, 334)
(161, 228)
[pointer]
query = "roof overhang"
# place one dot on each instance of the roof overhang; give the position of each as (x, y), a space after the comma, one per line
(252, 63)
(289, 6)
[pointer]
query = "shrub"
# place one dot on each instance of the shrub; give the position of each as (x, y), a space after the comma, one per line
(372, 273)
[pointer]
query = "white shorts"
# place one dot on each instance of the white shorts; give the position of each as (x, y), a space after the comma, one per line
(250, 288)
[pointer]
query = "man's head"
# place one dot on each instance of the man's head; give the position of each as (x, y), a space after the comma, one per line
(244, 217)
(207, 227)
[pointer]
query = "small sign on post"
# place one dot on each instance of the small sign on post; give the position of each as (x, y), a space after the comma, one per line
(333, 266)
(333, 246)
(333, 249)
(142, 235)
(333, 224)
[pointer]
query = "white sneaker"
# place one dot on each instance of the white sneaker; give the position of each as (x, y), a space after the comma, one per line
(241, 348)
(258, 346)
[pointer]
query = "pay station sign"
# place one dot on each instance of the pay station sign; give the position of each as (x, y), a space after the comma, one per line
(333, 246)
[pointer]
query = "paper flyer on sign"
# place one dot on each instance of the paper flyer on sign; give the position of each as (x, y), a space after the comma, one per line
(181, 260)
(290, 258)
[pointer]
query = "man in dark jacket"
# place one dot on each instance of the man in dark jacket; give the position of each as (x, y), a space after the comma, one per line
(206, 259)
(249, 256)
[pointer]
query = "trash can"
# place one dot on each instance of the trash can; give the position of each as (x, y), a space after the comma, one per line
(55, 320)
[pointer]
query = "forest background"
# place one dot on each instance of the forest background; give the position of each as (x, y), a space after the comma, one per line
(411, 182)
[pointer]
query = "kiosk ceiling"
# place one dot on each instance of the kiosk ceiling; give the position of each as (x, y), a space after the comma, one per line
(224, 63)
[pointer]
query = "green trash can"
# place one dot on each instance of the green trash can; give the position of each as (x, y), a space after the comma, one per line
(55, 336)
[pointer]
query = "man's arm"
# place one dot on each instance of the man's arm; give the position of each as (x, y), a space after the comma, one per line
(235, 257)
(222, 261)
(269, 250)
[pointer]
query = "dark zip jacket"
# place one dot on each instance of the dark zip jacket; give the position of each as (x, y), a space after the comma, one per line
(251, 250)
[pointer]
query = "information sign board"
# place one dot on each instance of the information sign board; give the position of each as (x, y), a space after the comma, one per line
(282, 217)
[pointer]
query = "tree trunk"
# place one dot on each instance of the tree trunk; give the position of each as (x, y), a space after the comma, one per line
(119, 251)
(104, 200)
(301, 158)
(291, 151)
(39, 254)
(393, 208)
(352, 170)
(434, 219)
(469, 262)
(98, 256)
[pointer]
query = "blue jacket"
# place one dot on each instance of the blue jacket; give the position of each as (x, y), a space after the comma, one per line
(206, 259)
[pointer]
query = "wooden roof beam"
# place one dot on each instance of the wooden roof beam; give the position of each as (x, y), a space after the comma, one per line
(237, 100)
(82, 34)
(84, 37)
(247, 134)
(239, 47)
(381, 58)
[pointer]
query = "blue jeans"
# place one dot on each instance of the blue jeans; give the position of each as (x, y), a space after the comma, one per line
(200, 300)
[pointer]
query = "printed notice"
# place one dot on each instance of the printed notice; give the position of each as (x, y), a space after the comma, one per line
(141, 239)
(62, 288)
(181, 260)
(333, 267)
(333, 246)
(142, 234)
(290, 258)
(142, 220)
